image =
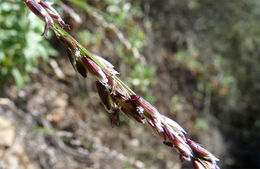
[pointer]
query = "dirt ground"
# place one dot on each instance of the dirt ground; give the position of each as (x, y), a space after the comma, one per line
(56, 122)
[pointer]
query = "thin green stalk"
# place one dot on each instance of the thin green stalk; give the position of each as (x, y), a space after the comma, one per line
(61, 31)
(124, 85)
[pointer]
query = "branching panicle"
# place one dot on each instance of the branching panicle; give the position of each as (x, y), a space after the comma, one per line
(116, 96)
(46, 13)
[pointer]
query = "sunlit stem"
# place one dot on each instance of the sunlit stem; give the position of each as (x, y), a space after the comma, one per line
(56, 28)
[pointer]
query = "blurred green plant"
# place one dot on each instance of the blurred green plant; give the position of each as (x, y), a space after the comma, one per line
(20, 43)
(209, 71)
(140, 77)
(126, 14)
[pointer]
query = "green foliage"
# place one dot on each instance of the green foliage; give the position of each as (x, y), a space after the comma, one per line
(86, 37)
(208, 71)
(140, 77)
(201, 124)
(123, 11)
(230, 36)
(223, 52)
(20, 42)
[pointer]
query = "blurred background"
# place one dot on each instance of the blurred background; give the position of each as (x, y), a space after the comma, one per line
(197, 61)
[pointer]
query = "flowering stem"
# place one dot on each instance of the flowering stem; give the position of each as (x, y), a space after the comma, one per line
(62, 32)
(116, 95)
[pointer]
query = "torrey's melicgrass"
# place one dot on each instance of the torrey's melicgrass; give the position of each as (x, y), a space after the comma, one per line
(117, 96)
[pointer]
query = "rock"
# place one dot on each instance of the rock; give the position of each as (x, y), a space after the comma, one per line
(7, 135)
(12, 152)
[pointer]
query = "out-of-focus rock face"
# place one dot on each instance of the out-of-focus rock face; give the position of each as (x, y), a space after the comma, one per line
(12, 152)
(7, 135)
